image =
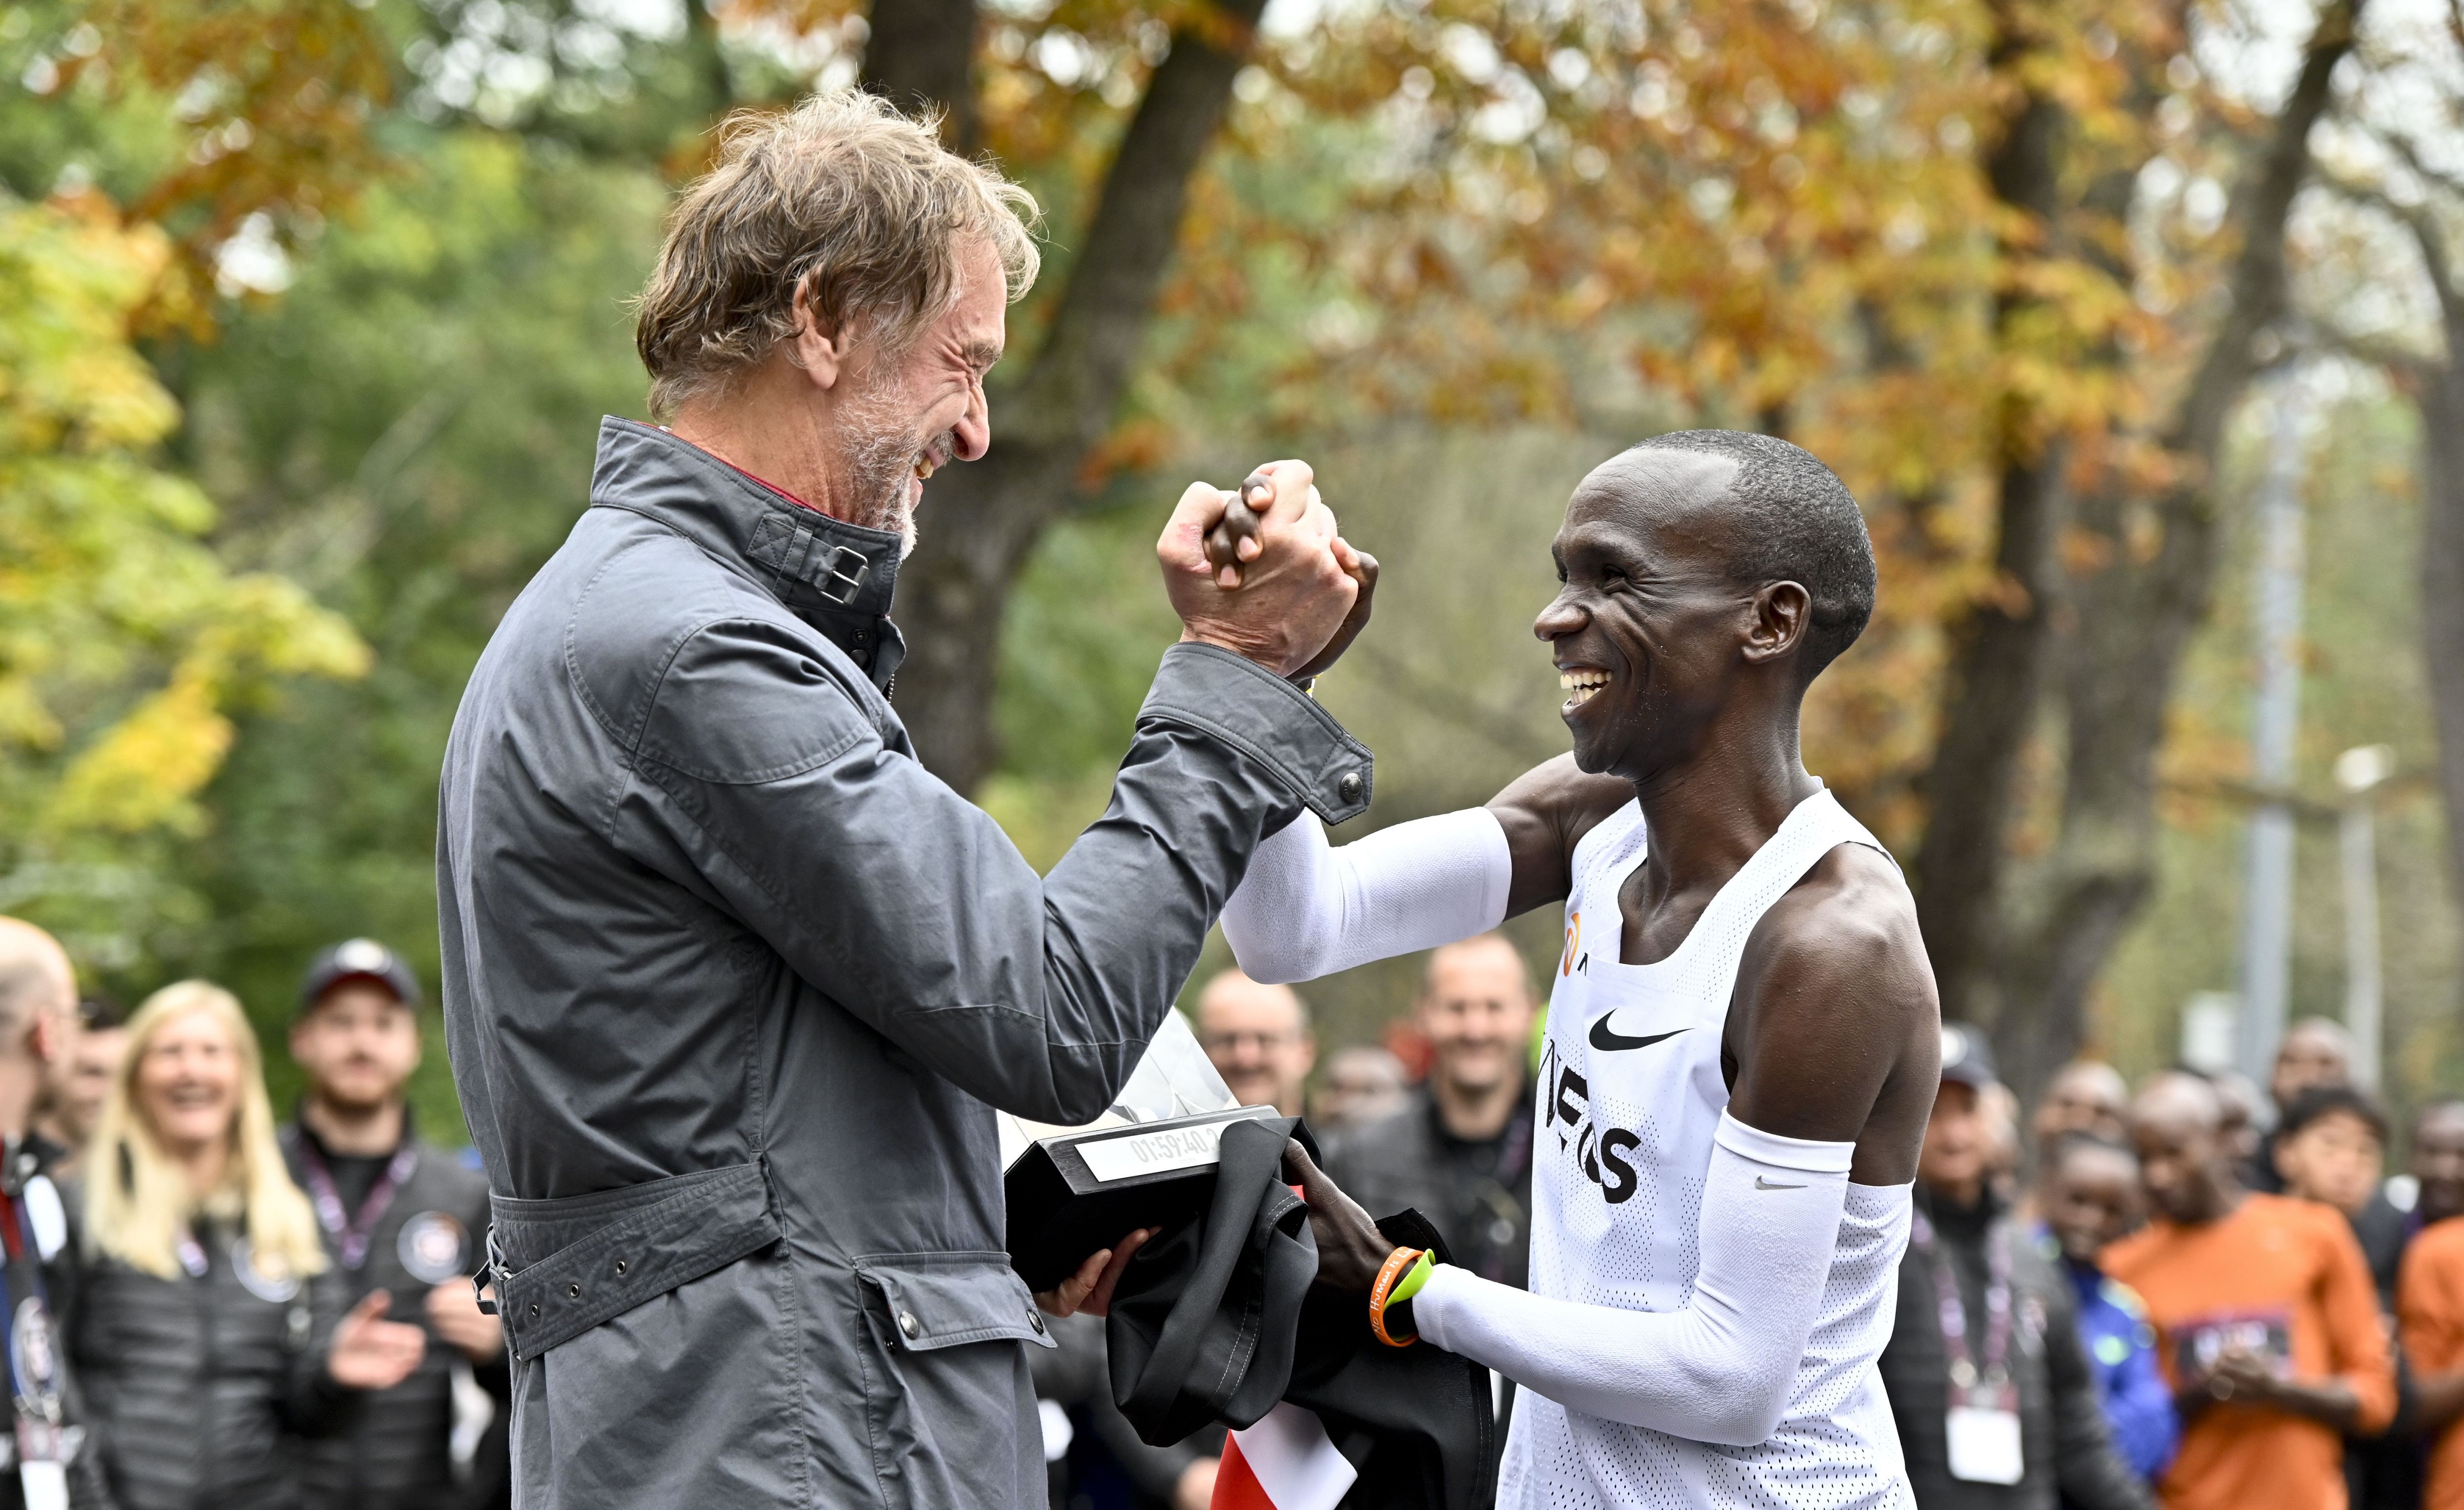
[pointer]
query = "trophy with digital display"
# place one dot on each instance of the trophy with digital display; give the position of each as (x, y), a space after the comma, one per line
(1148, 1161)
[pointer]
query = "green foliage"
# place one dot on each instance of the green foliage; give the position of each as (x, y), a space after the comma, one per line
(124, 641)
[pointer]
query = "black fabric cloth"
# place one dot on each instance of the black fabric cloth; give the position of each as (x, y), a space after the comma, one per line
(199, 1387)
(1477, 1192)
(396, 1454)
(1106, 1464)
(2066, 1449)
(1220, 1319)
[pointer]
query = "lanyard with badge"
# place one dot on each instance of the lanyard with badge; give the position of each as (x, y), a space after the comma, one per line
(352, 1235)
(41, 1438)
(1982, 1427)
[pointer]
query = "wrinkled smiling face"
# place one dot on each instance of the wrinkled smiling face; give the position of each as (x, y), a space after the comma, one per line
(911, 412)
(1646, 629)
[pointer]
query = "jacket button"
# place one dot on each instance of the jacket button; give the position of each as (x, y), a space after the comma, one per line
(574, 1290)
(534, 1308)
(1351, 786)
(1035, 1319)
(619, 1268)
(907, 1322)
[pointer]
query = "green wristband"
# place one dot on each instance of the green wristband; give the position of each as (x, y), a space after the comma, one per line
(1413, 1278)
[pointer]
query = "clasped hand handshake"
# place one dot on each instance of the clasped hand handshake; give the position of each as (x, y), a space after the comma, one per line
(1263, 573)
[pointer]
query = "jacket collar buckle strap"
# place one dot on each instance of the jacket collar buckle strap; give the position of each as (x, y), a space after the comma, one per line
(843, 576)
(839, 579)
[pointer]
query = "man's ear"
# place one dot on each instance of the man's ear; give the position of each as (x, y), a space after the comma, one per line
(43, 1039)
(1782, 612)
(818, 348)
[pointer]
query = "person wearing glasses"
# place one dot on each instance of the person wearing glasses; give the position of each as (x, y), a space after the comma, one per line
(1259, 1038)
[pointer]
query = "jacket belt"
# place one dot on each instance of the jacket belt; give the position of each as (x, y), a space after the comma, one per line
(566, 1265)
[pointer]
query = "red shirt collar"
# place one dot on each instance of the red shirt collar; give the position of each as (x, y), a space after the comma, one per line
(742, 473)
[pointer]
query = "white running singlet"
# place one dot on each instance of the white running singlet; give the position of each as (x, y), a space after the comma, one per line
(1630, 1092)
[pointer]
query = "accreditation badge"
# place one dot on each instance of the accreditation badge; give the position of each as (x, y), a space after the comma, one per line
(435, 1248)
(1982, 1433)
(273, 1289)
(34, 1388)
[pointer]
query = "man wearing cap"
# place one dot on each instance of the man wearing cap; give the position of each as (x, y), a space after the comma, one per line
(399, 1214)
(1993, 1394)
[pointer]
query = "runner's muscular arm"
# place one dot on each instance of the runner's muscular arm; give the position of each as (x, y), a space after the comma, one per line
(1834, 1032)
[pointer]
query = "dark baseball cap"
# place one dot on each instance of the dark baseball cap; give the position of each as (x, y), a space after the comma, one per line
(1966, 1059)
(359, 959)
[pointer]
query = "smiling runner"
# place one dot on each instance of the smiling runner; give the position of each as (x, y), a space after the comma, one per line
(1742, 1035)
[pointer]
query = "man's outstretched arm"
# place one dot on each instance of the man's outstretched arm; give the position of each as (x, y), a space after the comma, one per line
(759, 781)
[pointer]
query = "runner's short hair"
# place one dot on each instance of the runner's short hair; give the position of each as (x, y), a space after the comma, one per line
(2062, 1146)
(843, 196)
(2321, 1102)
(1796, 522)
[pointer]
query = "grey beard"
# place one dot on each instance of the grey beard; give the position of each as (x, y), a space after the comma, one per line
(880, 466)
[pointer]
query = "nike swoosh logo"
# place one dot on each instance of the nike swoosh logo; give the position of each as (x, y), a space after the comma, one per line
(1603, 1036)
(1762, 1184)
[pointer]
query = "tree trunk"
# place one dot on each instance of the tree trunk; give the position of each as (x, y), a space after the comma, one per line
(2136, 616)
(2001, 644)
(919, 58)
(979, 521)
(2441, 400)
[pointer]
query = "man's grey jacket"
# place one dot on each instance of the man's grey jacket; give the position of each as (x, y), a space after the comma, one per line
(733, 987)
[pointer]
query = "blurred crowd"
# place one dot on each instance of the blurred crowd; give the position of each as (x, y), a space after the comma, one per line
(209, 1308)
(2191, 1293)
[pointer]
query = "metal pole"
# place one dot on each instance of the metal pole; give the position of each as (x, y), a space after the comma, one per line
(2359, 772)
(2267, 899)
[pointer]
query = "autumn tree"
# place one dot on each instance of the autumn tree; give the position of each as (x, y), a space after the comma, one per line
(124, 641)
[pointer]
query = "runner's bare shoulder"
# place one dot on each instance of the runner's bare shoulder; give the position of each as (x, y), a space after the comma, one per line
(1546, 812)
(1835, 1024)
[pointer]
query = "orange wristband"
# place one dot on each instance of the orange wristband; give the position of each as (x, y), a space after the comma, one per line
(1393, 1268)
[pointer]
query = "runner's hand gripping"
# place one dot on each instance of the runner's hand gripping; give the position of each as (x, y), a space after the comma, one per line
(1240, 548)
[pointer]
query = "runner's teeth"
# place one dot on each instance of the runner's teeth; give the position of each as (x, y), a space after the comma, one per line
(925, 466)
(1581, 685)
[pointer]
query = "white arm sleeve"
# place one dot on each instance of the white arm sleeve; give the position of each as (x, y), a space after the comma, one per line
(1721, 1368)
(1305, 908)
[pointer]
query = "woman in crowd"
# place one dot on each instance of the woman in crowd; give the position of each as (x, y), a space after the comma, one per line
(209, 1329)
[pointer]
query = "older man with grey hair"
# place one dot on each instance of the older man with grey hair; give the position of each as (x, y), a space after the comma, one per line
(733, 985)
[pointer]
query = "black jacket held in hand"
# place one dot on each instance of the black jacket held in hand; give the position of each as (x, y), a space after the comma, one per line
(396, 1453)
(198, 1388)
(2066, 1449)
(1218, 1321)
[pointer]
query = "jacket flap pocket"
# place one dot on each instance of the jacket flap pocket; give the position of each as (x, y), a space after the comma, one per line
(612, 1250)
(941, 1299)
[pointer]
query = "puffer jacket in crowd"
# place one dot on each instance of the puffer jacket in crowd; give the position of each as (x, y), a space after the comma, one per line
(396, 1453)
(2066, 1447)
(200, 1387)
